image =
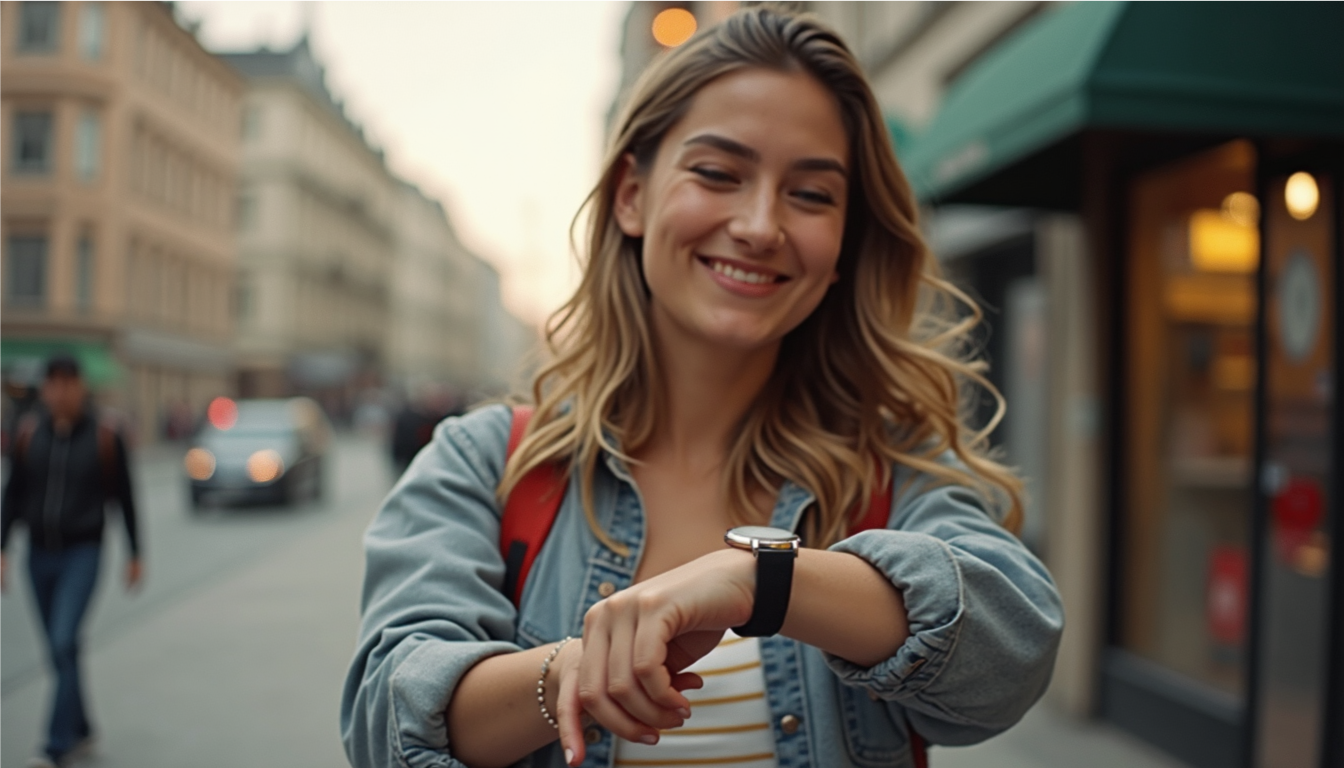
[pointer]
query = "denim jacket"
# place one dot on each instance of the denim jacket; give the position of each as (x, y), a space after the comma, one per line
(985, 618)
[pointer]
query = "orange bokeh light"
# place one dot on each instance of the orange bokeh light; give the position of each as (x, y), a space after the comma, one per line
(222, 413)
(673, 27)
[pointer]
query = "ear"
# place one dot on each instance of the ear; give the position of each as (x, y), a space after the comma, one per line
(628, 206)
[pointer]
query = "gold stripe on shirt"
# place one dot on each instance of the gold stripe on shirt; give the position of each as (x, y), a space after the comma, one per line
(701, 760)
(733, 641)
(716, 729)
(727, 670)
(727, 699)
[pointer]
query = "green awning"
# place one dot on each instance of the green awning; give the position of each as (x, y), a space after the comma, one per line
(26, 359)
(1251, 69)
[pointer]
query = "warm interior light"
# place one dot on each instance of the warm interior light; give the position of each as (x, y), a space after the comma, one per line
(673, 27)
(200, 464)
(1301, 195)
(1242, 208)
(1219, 243)
(264, 466)
(222, 413)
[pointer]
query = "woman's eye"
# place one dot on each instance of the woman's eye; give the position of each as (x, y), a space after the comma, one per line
(712, 174)
(815, 196)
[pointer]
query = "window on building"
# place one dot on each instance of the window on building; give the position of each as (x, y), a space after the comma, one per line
(242, 298)
(32, 142)
(27, 278)
(251, 123)
(88, 140)
(247, 212)
(1194, 251)
(39, 27)
(92, 22)
(84, 273)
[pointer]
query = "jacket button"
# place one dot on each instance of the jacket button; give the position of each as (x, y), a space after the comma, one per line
(789, 724)
(592, 736)
(606, 589)
(872, 696)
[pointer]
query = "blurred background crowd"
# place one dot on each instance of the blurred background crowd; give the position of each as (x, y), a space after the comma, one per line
(1144, 198)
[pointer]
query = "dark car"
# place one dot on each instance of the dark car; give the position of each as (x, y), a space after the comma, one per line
(269, 451)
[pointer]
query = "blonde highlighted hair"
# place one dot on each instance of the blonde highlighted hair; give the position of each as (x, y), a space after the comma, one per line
(877, 375)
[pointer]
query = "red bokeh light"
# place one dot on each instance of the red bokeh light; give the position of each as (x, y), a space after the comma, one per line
(222, 413)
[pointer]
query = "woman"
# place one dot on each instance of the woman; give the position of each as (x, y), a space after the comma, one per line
(756, 340)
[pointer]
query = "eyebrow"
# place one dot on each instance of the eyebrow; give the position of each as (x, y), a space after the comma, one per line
(747, 153)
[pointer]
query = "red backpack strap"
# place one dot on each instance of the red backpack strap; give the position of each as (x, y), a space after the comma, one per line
(529, 512)
(879, 511)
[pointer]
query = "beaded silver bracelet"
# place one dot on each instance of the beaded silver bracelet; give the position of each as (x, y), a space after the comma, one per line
(541, 682)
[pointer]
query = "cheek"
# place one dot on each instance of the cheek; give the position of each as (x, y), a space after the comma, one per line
(819, 248)
(685, 215)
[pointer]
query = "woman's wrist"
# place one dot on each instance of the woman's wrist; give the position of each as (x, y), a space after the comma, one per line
(571, 650)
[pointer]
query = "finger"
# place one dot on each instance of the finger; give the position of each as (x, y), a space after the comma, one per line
(687, 681)
(623, 677)
(649, 660)
(593, 687)
(569, 714)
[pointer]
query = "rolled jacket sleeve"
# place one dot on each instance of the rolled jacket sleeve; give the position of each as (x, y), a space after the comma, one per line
(431, 605)
(985, 618)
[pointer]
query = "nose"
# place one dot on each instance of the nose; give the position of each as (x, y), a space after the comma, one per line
(756, 224)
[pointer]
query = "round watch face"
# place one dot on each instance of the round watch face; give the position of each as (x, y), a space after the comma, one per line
(763, 536)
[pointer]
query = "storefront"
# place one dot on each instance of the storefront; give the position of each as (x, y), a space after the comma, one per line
(1200, 149)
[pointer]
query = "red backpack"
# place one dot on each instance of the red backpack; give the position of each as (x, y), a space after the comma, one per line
(532, 506)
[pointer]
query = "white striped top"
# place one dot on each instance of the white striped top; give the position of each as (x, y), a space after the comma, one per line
(730, 720)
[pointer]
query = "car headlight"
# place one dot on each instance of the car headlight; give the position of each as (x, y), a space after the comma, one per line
(265, 465)
(200, 464)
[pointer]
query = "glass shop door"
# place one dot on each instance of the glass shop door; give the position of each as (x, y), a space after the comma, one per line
(1299, 474)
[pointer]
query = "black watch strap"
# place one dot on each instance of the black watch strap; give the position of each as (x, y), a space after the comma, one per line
(774, 583)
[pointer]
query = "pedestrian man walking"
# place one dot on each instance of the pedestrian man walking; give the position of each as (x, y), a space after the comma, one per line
(66, 465)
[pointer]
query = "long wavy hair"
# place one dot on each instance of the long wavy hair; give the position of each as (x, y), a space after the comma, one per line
(879, 374)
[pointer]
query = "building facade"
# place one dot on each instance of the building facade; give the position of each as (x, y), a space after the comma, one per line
(436, 323)
(317, 212)
(119, 171)
(349, 277)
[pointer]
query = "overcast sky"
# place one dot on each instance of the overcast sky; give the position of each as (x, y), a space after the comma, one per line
(494, 108)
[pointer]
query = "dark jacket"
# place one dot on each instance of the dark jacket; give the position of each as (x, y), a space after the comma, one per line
(60, 485)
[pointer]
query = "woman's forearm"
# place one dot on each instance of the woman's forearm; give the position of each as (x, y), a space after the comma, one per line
(843, 605)
(493, 717)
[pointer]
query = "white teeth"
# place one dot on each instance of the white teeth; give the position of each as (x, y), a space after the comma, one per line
(755, 278)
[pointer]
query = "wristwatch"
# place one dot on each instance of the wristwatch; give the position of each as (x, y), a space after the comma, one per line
(775, 550)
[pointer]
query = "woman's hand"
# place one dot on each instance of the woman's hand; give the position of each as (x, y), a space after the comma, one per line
(628, 671)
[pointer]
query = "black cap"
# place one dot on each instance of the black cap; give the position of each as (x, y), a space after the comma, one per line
(62, 364)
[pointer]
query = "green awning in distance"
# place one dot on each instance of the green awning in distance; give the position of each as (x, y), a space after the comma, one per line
(25, 359)
(1250, 69)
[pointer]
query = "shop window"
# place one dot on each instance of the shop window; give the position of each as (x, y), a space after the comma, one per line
(39, 27)
(32, 142)
(1194, 251)
(84, 273)
(92, 23)
(1300, 476)
(27, 278)
(88, 141)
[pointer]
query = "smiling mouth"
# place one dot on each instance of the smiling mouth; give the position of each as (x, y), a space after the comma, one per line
(742, 275)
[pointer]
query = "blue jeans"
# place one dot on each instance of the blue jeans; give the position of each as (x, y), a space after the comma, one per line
(63, 583)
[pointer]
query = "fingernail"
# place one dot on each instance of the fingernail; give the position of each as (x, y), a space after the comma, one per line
(649, 738)
(569, 757)
(685, 713)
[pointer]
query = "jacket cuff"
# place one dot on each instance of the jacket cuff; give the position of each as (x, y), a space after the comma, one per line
(923, 569)
(418, 694)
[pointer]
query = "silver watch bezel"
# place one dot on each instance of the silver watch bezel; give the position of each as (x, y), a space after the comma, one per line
(757, 537)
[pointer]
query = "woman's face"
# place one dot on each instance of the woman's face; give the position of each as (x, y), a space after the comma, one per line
(743, 210)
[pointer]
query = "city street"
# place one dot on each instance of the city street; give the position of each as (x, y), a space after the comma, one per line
(234, 652)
